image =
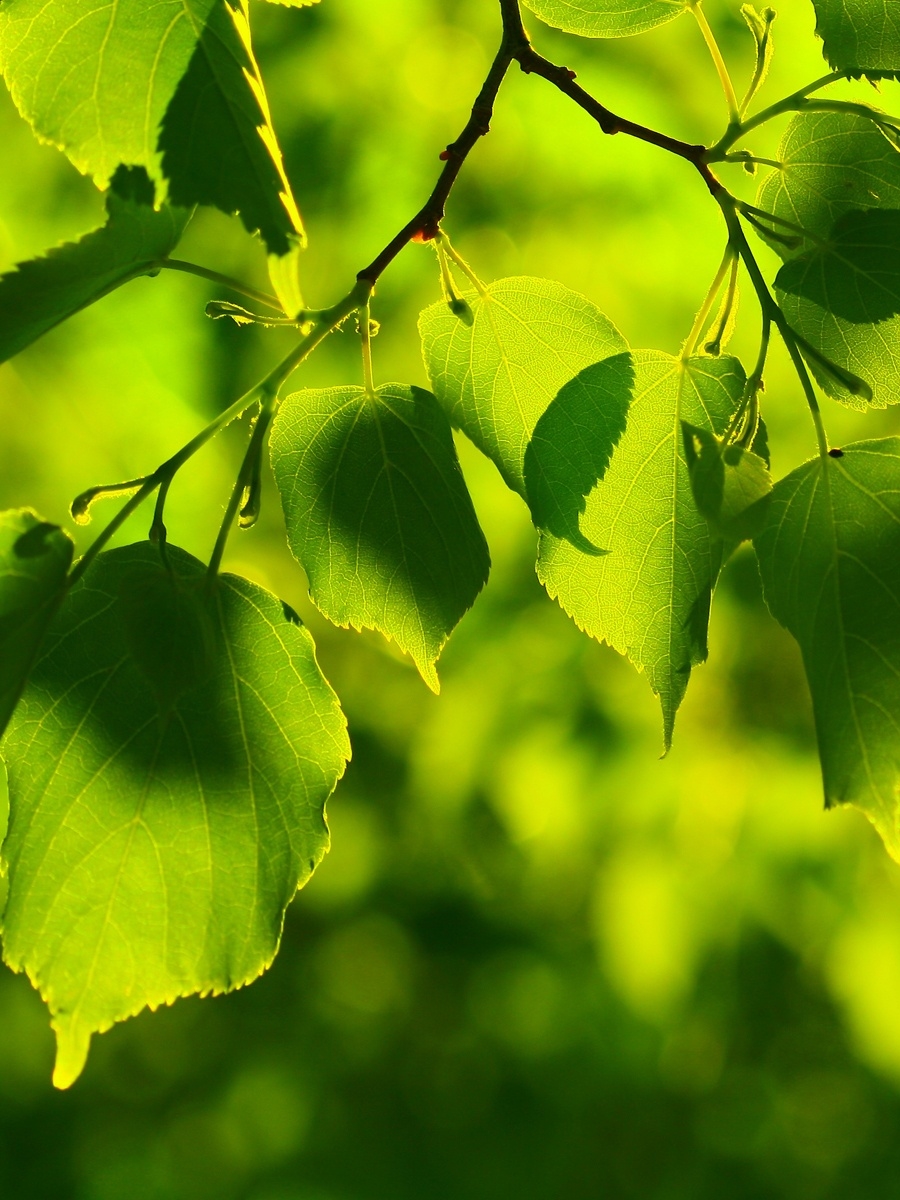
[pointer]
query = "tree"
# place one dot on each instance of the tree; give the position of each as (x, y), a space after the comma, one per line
(170, 739)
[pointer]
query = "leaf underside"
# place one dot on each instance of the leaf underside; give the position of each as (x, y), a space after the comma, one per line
(606, 18)
(34, 560)
(829, 557)
(840, 287)
(862, 36)
(648, 592)
(378, 514)
(162, 816)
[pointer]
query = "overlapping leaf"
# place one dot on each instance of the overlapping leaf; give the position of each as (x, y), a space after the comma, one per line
(829, 556)
(648, 592)
(378, 513)
(606, 18)
(163, 813)
(860, 35)
(840, 286)
(497, 376)
(171, 86)
(39, 294)
(34, 560)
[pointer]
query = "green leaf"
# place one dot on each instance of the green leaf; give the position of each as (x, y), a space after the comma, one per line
(606, 18)
(841, 183)
(378, 514)
(862, 36)
(34, 561)
(496, 377)
(217, 140)
(829, 556)
(99, 83)
(153, 849)
(729, 483)
(648, 593)
(37, 295)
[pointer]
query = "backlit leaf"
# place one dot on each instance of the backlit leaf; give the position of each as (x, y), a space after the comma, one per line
(34, 561)
(378, 514)
(496, 377)
(39, 294)
(841, 182)
(648, 592)
(606, 18)
(860, 35)
(153, 847)
(829, 556)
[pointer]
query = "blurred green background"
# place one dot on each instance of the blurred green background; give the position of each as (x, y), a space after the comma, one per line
(539, 961)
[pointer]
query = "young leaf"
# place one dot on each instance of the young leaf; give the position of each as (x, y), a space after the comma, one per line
(728, 481)
(218, 145)
(648, 593)
(496, 377)
(34, 561)
(37, 295)
(606, 18)
(862, 36)
(153, 849)
(829, 556)
(99, 83)
(841, 182)
(378, 514)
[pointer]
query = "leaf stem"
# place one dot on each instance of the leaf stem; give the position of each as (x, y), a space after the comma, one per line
(790, 103)
(235, 285)
(365, 337)
(714, 345)
(693, 338)
(242, 484)
(734, 115)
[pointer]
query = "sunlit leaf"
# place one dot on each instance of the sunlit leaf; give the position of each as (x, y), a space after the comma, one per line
(378, 513)
(153, 847)
(34, 560)
(728, 482)
(496, 377)
(648, 592)
(829, 556)
(841, 183)
(860, 35)
(606, 18)
(37, 295)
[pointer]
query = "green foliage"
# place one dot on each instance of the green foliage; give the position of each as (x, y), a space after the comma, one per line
(840, 184)
(162, 817)
(39, 294)
(34, 559)
(647, 588)
(829, 555)
(607, 18)
(378, 514)
(862, 36)
(175, 742)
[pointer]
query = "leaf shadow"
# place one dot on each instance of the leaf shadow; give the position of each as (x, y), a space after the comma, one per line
(572, 444)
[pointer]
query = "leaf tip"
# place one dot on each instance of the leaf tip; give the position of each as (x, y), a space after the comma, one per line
(73, 1040)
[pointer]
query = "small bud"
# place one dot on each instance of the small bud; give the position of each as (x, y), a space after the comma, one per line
(462, 309)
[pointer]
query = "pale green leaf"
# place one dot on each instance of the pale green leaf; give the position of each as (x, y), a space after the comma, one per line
(497, 376)
(606, 18)
(154, 846)
(648, 593)
(98, 82)
(34, 561)
(829, 556)
(862, 36)
(841, 183)
(378, 514)
(729, 483)
(37, 295)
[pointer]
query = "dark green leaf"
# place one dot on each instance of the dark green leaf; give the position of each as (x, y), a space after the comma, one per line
(648, 593)
(39, 294)
(34, 561)
(496, 377)
(862, 36)
(152, 852)
(829, 556)
(378, 514)
(606, 18)
(841, 183)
